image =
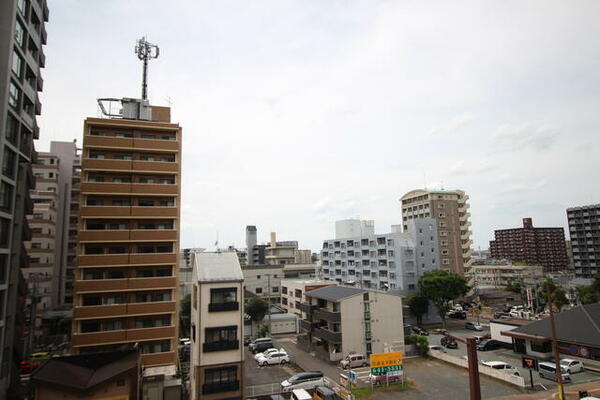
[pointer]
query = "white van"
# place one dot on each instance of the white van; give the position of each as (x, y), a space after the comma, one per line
(300, 394)
(548, 370)
(303, 380)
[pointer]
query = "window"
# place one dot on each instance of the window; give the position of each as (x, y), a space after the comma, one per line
(19, 34)
(258, 290)
(117, 250)
(97, 133)
(122, 157)
(14, 95)
(224, 334)
(220, 380)
(123, 135)
(90, 326)
(6, 194)
(17, 64)
(12, 129)
(118, 226)
(145, 203)
(156, 347)
(223, 295)
(4, 232)
(92, 300)
(22, 6)
(115, 275)
(92, 275)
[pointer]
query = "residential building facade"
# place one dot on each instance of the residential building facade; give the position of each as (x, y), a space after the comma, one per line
(217, 321)
(389, 261)
(502, 276)
(531, 246)
(293, 293)
(186, 266)
(265, 280)
(450, 210)
(126, 288)
(584, 232)
(22, 37)
(341, 320)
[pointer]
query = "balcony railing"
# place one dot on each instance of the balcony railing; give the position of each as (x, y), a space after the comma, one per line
(327, 315)
(227, 306)
(307, 308)
(326, 334)
(306, 325)
(220, 346)
(221, 387)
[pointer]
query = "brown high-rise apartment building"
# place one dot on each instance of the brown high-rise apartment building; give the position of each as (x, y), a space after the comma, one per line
(450, 209)
(531, 246)
(126, 288)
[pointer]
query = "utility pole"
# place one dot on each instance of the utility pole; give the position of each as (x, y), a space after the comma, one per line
(561, 388)
(269, 292)
(474, 384)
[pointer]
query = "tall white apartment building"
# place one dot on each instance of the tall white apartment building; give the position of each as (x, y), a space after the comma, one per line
(388, 261)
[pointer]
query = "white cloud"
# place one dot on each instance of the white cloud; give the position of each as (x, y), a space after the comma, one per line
(524, 136)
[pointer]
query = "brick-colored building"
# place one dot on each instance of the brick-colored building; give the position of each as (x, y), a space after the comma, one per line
(126, 288)
(531, 246)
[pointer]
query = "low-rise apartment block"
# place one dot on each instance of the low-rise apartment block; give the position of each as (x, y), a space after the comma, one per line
(217, 321)
(265, 280)
(293, 293)
(341, 320)
(389, 261)
(502, 276)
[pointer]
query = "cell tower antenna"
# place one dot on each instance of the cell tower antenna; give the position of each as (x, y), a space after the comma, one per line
(145, 51)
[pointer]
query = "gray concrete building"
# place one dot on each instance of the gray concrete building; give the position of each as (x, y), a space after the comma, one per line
(22, 35)
(388, 261)
(450, 210)
(584, 231)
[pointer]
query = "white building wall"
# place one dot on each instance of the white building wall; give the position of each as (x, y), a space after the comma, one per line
(349, 228)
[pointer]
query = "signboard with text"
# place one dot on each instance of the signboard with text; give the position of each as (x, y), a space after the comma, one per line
(530, 363)
(384, 363)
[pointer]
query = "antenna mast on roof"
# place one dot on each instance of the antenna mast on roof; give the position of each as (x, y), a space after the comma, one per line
(145, 51)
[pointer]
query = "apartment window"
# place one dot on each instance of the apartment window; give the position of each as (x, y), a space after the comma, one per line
(97, 133)
(442, 215)
(126, 157)
(12, 129)
(17, 64)
(4, 232)
(3, 269)
(258, 290)
(14, 95)
(92, 275)
(223, 295)
(123, 179)
(146, 180)
(195, 297)
(114, 325)
(115, 275)
(115, 299)
(222, 334)
(90, 326)
(118, 226)
(167, 203)
(91, 300)
(19, 33)
(284, 290)
(6, 194)
(156, 347)
(163, 272)
(445, 261)
(117, 250)
(123, 135)
(145, 203)
(411, 286)
(22, 6)
(120, 203)
(148, 137)
(96, 179)
(218, 380)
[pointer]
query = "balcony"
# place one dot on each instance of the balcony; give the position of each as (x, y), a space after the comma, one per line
(105, 187)
(326, 334)
(220, 346)
(307, 308)
(209, 388)
(117, 211)
(98, 338)
(103, 235)
(152, 283)
(153, 234)
(154, 211)
(151, 308)
(106, 164)
(152, 258)
(228, 306)
(152, 189)
(107, 142)
(150, 333)
(100, 285)
(156, 145)
(103, 259)
(107, 285)
(149, 360)
(306, 325)
(113, 310)
(155, 166)
(327, 315)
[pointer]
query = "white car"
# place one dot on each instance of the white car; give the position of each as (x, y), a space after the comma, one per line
(572, 366)
(273, 358)
(268, 351)
(437, 347)
(502, 366)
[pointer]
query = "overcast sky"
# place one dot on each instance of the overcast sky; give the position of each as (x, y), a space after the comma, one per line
(299, 113)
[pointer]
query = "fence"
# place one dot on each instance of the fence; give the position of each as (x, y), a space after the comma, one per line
(483, 369)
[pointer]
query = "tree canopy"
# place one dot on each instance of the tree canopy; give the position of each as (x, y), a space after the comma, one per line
(256, 308)
(418, 306)
(441, 287)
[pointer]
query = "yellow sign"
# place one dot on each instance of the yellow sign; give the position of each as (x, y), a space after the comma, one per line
(386, 359)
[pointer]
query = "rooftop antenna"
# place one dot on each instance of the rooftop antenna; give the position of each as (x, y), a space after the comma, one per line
(145, 51)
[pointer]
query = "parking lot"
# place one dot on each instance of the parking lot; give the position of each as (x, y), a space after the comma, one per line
(506, 355)
(448, 378)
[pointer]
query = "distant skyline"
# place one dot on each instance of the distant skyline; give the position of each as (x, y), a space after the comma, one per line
(300, 113)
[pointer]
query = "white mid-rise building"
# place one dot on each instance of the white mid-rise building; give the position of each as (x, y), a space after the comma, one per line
(388, 261)
(217, 326)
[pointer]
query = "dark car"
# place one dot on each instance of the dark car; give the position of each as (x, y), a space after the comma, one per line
(489, 344)
(449, 342)
(457, 314)
(420, 331)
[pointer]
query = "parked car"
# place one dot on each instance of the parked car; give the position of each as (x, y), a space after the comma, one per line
(548, 370)
(479, 338)
(273, 358)
(420, 331)
(474, 326)
(260, 344)
(449, 342)
(457, 314)
(502, 366)
(489, 344)
(572, 366)
(382, 379)
(27, 367)
(437, 347)
(303, 380)
(269, 351)
(353, 361)
(324, 393)
(300, 394)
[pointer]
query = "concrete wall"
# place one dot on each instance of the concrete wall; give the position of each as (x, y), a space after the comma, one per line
(496, 330)
(386, 322)
(353, 325)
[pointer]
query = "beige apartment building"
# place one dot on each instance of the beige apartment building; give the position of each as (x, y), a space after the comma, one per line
(501, 276)
(126, 289)
(293, 293)
(341, 320)
(450, 209)
(265, 280)
(217, 327)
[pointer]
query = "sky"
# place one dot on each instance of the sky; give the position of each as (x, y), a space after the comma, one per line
(296, 114)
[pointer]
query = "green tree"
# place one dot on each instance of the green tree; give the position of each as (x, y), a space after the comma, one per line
(441, 287)
(586, 294)
(185, 314)
(421, 342)
(64, 325)
(596, 284)
(256, 308)
(559, 296)
(418, 306)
